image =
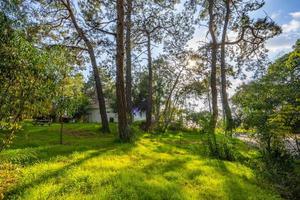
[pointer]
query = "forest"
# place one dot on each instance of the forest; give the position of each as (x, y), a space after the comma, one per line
(149, 99)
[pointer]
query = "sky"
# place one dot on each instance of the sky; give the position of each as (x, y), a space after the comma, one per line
(285, 13)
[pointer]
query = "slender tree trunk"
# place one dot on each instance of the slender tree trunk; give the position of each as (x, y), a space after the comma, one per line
(168, 101)
(124, 132)
(100, 95)
(226, 108)
(61, 129)
(128, 62)
(213, 78)
(157, 95)
(169, 115)
(209, 101)
(157, 109)
(99, 90)
(157, 102)
(150, 89)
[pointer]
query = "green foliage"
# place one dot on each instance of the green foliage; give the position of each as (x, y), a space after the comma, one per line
(31, 80)
(7, 130)
(70, 95)
(177, 125)
(271, 104)
(140, 92)
(26, 79)
(201, 118)
(90, 166)
(284, 175)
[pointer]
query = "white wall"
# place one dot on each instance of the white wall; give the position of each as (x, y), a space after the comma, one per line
(94, 116)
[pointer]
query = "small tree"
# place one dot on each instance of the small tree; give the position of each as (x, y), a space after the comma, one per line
(69, 96)
(27, 79)
(64, 24)
(271, 104)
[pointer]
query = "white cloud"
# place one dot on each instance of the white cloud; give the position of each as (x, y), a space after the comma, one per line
(281, 44)
(294, 24)
(295, 15)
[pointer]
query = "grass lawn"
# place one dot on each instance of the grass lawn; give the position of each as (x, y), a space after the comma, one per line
(90, 165)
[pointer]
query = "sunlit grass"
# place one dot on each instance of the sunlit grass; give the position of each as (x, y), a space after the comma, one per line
(90, 165)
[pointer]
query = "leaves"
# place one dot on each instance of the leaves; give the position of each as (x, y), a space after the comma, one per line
(271, 103)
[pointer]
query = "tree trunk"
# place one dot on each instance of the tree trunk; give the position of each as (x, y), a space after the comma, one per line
(124, 132)
(213, 78)
(150, 89)
(158, 101)
(226, 108)
(99, 90)
(168, 102)
(61, 130)
(100, 95)
(209, 101)
(157, 109)
(128, 62)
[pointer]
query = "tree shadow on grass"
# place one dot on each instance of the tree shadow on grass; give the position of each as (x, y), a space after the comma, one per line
(174, 174)
(162, 166)
(123, 184)
(239, 185)
(159, 179)
(198, 146)
(20, 189)
(152, 181)
(28, 155)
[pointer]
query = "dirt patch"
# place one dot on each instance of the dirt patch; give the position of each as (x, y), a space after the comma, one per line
(76, 133)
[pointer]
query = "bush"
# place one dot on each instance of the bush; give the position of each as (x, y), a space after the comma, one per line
(227, 150)
(176, 126)
(284, 173)
(7, 133)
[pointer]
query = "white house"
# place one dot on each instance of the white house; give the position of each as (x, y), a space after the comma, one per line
(93, 114)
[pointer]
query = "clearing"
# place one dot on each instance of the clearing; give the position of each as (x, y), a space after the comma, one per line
(90, 165)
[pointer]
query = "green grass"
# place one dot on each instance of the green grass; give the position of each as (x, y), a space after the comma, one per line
(90, 165)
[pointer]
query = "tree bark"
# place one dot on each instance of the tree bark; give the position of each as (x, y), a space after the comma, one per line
(128, 62)
(209, 101)
(213, 79)
(226, 108)
(61, 130)
(99, 90)
(150, 89)
(124, 132)
(100, 95)
(168, 103)
(158, 95)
